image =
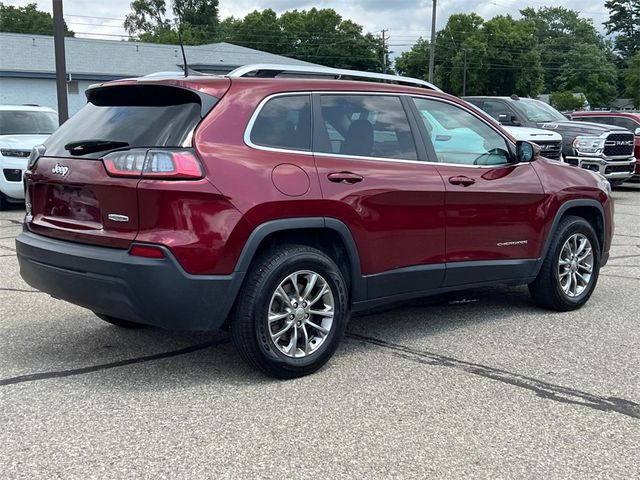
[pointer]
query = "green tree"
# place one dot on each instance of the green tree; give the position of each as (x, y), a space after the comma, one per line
(315, 35)
(624, 20)
(28, 19)
(590, 71)
(148, 21)
(512, 57)
(414, 62)
(566, 101)
(560, 34)
(632, 79)
(461, 31)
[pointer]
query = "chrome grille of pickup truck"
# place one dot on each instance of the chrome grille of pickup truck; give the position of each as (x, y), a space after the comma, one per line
(619, 144)
(550, 149)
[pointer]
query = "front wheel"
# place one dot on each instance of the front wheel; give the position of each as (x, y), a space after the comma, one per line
(570, 270)
(291, 312)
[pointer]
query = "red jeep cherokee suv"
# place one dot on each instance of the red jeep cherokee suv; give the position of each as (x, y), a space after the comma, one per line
(278, 206)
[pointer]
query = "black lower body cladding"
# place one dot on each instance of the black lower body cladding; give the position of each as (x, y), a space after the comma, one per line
(111, 282)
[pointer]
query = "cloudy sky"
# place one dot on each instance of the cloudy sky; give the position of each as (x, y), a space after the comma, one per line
(405, 20)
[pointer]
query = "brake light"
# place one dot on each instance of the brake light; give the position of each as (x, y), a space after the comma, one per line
(146, 251)
(159, 164)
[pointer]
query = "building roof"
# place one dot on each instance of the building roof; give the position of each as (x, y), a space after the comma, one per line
(92, 59)
(623, 103)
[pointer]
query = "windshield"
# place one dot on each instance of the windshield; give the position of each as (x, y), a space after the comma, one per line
(537, 111)
(16, 122)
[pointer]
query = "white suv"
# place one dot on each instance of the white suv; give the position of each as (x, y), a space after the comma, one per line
(21, 128)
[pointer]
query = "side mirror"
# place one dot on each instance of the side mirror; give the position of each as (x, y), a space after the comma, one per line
(638, 132)
(507, 119)
(503, 117)
(526, 151)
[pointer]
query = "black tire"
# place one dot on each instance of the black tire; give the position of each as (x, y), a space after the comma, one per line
(4, 203)
(251, 329)
(546, 290)
(118, 322)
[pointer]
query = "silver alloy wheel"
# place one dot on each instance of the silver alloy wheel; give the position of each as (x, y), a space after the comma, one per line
(575, 265)
(301, 314)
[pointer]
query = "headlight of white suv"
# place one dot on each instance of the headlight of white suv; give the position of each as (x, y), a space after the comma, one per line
(588, 144)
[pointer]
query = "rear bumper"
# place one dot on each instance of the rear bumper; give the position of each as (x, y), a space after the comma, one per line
(112, 282)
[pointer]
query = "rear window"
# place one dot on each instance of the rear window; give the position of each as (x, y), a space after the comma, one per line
(138, 115)
(284, 122)
(21, 122)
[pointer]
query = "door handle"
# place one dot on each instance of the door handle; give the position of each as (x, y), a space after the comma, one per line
(461, 180)
(344, 177)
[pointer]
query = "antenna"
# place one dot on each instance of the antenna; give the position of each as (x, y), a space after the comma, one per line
(184, 56)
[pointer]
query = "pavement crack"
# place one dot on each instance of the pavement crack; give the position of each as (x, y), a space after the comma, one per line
(22, 290)
(7, 248)
(619, 276)
(541, 388)
(34, 377)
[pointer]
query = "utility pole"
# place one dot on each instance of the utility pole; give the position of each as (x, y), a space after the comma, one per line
(432, 51)
(384, 51)
(464, 73)
(61, 65)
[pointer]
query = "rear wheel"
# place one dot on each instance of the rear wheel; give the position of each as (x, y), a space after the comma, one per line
(291, 312)
(119, 322)
(570, 270)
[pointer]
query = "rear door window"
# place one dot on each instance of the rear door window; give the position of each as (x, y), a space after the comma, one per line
(135, 115)
(284, 122)
(365, 126)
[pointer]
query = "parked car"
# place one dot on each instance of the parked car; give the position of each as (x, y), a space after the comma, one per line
(277, 207)
(606, 149)
(628, 120)
(550, 142)
(21, 127)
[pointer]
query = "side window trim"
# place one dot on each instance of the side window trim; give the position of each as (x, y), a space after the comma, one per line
(432, 157)
(256, 113)
(414, 125)
(429, 144)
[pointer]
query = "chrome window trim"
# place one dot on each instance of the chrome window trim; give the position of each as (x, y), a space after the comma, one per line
(254, 116)
(256, 113)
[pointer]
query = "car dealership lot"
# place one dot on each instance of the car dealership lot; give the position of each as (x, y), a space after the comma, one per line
(479, 384)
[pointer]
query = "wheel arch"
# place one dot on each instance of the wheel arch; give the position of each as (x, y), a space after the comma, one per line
(591, 210)
(329, 235)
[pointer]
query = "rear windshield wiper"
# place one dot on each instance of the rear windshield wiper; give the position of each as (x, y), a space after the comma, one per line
(90, 146)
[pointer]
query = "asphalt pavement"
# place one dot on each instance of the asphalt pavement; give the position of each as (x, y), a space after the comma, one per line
(478, 384)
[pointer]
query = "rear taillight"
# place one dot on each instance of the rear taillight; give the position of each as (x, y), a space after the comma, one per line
(160, 164)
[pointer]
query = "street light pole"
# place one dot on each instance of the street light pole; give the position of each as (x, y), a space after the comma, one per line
(61, 68)
(432, 51)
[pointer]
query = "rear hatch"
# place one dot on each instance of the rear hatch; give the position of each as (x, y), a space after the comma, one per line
(71, 195)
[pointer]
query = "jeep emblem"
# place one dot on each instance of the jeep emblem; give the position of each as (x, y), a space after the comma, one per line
(60, 170)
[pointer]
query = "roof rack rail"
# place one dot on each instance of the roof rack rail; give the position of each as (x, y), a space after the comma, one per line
(265, 70)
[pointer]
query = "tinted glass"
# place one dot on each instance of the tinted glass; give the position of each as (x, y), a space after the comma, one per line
(590, 119)
(284, 122)
(537, 111)
(459, 137)
(18, 122)
(494, 109)
(144, 116)
(626, 123)
(365, 126)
